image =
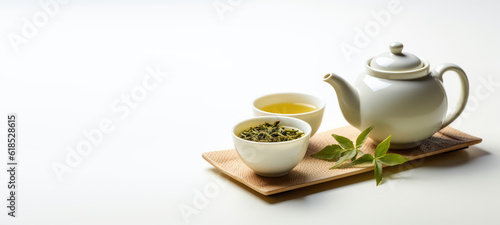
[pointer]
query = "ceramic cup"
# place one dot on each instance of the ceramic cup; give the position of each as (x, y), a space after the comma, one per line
(272, 159)
(314, 118)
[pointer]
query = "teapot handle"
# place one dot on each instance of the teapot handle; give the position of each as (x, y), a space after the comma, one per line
(462, 101)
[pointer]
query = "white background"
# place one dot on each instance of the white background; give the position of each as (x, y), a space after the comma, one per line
(65, 78)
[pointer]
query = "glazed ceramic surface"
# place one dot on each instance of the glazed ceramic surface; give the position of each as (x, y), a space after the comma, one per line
(400, 96)
(272, 159)
(314, 118)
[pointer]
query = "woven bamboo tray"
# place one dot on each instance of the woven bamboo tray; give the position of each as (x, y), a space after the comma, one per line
(312, 171)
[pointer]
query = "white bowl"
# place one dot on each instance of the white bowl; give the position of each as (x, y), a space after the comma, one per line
(272, 159)
(314, 118)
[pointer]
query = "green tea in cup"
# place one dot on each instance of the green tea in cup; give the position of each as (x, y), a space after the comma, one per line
(289, 108)
(305, 107)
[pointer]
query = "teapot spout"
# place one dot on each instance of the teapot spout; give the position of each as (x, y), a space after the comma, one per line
(348, 98)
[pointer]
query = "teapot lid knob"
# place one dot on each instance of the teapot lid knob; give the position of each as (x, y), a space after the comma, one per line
(396, 48)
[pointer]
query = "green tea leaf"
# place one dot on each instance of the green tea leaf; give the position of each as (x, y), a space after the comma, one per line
(330, 153)
(366, 158)
(383, 147)
(362, 137)
(392, 159)
(346, 151)
(345, 156)
(378, 171)
(343, 141)
(354, 156)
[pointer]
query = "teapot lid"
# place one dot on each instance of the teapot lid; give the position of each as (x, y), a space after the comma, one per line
(397, 65)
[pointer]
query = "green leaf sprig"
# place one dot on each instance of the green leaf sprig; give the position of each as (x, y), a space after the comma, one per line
(346, 150)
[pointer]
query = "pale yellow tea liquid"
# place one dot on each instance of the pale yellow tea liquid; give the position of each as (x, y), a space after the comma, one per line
(289, 108)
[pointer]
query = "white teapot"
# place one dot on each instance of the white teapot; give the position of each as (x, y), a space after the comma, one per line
(400, 96)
